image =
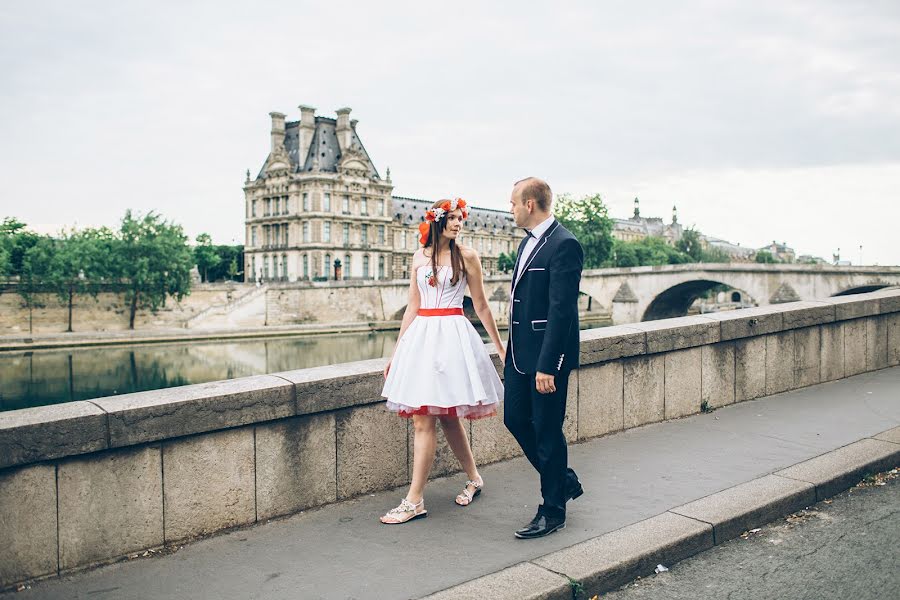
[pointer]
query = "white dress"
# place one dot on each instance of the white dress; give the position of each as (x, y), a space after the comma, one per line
(441, 366)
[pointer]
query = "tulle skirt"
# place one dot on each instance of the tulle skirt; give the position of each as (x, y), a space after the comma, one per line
(442, 368)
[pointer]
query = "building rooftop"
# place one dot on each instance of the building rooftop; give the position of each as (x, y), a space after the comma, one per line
(412, 210)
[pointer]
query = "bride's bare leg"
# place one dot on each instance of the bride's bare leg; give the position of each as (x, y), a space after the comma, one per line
(424, 446)
(455, 432)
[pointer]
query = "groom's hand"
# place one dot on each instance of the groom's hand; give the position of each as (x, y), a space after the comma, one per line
(544, 383)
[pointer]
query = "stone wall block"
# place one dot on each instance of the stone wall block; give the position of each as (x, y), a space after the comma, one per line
(492, 441)
(749, 322)
(893, 337)
(888, 301)
(682, 332)
(806, 314)
(749, 368)
(110, 504)
(832, 351)
(161, 414)
(371, 450)
(682, 383)
(876, 343)
(47, 432)
(779, 362)
(717, 374)
(807, 356)
(600, 400)
(644, 390)
(295, 465)
(209, 483)
(27, 523)
(854, 306)
(609, 343)
(332, 387)
(855, 346)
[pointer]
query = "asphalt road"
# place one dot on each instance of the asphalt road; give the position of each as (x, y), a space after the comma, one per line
(846, 547)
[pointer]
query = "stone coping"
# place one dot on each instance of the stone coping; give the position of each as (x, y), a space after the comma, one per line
(50, 432)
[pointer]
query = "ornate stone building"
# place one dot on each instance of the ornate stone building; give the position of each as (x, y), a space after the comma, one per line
(319, 210)
(637, 227)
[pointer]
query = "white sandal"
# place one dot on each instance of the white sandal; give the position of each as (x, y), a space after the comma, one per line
(466, 497)
(405, 511)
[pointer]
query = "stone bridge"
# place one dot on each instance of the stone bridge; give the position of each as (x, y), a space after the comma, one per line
(629, 295)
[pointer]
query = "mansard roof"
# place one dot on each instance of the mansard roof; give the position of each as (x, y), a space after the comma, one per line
(324, 148)
(411, 211)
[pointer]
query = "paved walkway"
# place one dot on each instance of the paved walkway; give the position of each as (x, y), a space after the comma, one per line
(341, 551)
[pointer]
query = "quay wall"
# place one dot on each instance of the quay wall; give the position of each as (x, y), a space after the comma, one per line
(91, 482)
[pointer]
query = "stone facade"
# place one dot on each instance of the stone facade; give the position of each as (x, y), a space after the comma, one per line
(319, 202)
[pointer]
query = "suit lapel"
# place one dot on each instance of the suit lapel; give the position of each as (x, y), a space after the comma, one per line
(534, 253)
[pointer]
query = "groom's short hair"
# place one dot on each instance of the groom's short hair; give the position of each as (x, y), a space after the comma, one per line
(538, 190)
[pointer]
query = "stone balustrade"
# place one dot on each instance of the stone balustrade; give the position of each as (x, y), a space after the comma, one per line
(89, 482)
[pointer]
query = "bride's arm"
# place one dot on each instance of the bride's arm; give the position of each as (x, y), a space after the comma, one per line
(475, 278)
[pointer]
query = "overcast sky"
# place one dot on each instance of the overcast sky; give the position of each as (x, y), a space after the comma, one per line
(761, 121)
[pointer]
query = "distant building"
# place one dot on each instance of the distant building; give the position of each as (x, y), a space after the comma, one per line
(780, 251)
(735, 252)
(637, 227)
(318, 201)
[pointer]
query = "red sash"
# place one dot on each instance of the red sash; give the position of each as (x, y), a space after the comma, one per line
(440, 312)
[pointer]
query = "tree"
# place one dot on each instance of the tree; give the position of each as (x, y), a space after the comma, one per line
(588, 220)
(205, 255)
(225, 256)
(34, 266)
(690, 244)
(153, 262)
(764, 256)
(15, 240)
(506, 262)
(648, 251)
(80, 264)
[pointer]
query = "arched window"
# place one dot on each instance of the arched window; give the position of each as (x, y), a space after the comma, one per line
(265, 260)
(381, 267)
(306, 266)
(274, 266)
(253, 268)
(328, 266)
(366, 266)
(347, 270)
(284, 270)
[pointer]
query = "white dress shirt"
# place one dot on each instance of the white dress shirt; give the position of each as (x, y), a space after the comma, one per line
(536, 235)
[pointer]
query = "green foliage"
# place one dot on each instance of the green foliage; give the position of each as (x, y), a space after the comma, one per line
(588, 220)
(205, 255)
(690, 244)
(648, 251)
(15, 241)
(506, 262)
(229, 263)
(153, 262)
(764, 256)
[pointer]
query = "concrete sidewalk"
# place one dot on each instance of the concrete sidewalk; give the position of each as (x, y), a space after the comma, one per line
(341, 551)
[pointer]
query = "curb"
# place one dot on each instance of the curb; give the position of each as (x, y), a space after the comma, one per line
(606, 562)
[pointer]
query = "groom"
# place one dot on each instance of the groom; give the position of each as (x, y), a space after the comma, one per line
(542, 349)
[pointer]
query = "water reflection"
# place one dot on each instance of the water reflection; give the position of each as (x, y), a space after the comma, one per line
(52, 376)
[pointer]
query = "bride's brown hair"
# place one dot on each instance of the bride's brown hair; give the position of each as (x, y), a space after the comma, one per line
(434, 233)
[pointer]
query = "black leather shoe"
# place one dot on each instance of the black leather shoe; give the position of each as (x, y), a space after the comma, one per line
(540, 526)
(574, 491)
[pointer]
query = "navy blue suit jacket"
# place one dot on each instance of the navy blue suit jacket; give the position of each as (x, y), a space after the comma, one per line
(543, 324)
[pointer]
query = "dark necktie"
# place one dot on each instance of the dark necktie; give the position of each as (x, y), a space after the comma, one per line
(528, 234)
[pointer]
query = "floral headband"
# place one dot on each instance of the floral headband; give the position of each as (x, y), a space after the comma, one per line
(438, 213)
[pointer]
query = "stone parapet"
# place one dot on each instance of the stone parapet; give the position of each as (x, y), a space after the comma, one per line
(108, 477)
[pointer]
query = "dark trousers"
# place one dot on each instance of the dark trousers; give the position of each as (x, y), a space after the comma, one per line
(536, 421)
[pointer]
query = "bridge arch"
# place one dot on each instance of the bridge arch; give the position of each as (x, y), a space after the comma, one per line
(861, 289)
(677, 299)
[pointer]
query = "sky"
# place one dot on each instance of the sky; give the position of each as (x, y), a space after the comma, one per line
(760, 120)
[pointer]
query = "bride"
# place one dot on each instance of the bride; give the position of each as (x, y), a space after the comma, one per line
(440, 370)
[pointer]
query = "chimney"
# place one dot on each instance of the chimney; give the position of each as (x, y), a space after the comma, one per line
(344, 133)
(277, 130)
(305, 132)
